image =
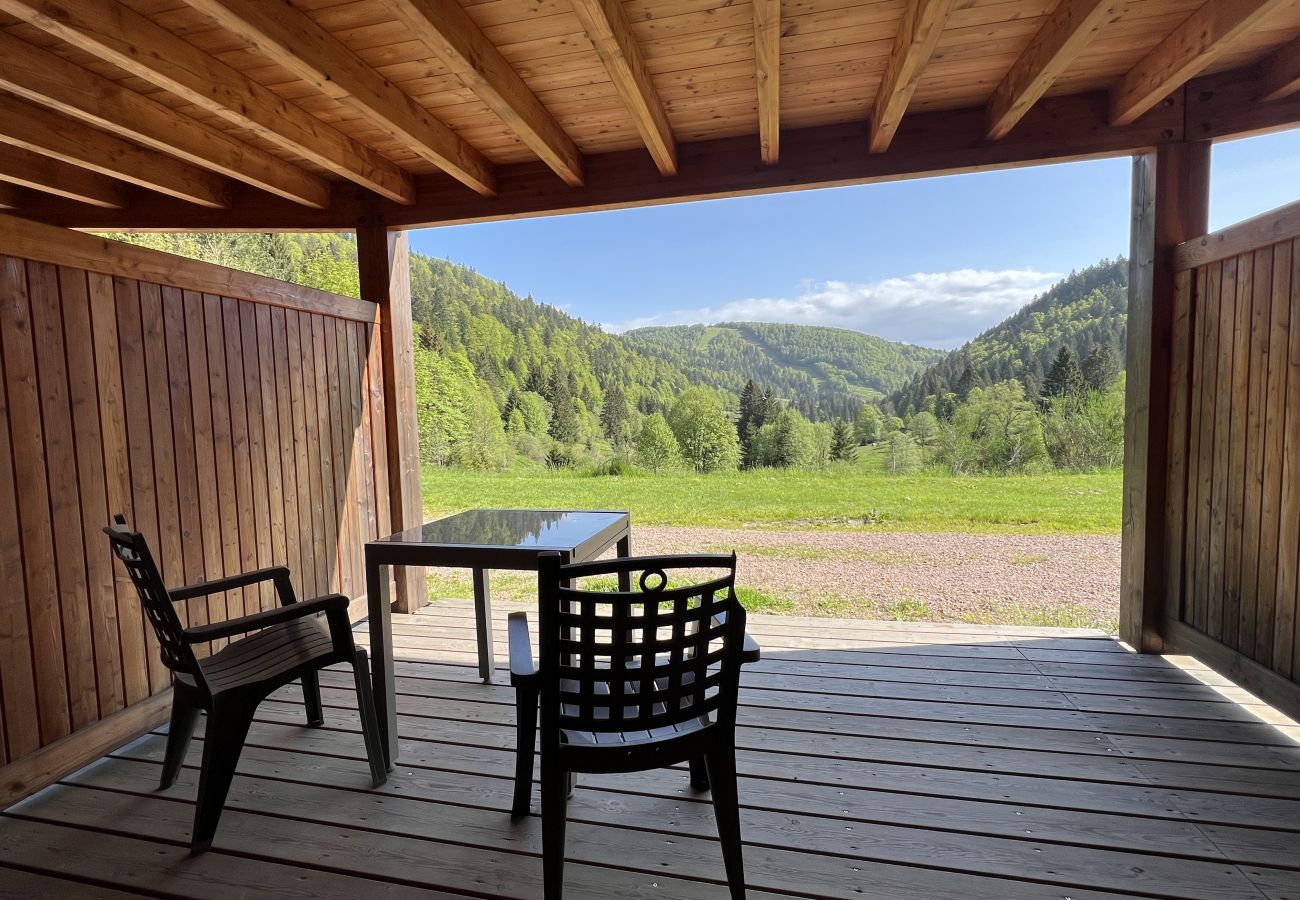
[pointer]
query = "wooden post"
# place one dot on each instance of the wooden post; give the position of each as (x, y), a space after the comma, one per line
(384, 261)
(1170, 205)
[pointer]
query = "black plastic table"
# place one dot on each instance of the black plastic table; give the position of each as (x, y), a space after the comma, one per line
(478, 539)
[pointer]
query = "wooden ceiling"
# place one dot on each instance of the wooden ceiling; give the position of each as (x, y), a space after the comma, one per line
(317, 113)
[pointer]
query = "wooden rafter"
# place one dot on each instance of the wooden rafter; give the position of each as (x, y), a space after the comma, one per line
(767, 61)
(1280, 73)
(446, 29)
(918, 35)
(1191, 47)
(41, 173)
(606, 24)
(41, 130)
(43, 77)
(11, 196)
(290, 38)
(1070, 28)
(134, 43)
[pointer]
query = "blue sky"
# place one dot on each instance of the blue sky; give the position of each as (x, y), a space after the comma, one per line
(932, 261)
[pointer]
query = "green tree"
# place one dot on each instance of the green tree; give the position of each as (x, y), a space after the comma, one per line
(707, 439)
(965, 383)
(924, 428)
(867, 426)
(616, 416)
(535, 411)
(903, 454)
(564, 426)
(996, 431)
(1100, 367)
(784, 442)
(1064, 378)
(844, 446)
(656, 446)
(1086, 434)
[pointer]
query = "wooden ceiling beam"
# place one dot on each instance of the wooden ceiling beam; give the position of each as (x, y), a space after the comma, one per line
(767, 60)
(41, 173)
(119, 35)
(446, 29)
(42, 130)
(1191, 47)
(294, 41)
(607, 25)
(50, 80)
(11, 196)
(1071, 27)
(1280, 73)
(918, 35)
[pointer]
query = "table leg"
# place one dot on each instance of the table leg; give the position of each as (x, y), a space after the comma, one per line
(381, 659)
(483, 624)
(624, 550)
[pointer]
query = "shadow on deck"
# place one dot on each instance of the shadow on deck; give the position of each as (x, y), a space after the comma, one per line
(878, 759)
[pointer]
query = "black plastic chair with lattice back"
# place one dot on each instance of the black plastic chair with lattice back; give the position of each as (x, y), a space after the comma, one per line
(291, 643)
(630, 680)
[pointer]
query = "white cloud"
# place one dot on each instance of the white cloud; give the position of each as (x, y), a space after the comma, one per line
(938, 309)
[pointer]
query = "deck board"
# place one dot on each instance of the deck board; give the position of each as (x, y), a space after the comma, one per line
(889, 760)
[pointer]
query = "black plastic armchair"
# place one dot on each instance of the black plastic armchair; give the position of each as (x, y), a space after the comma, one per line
(627, 681)
(291, 643)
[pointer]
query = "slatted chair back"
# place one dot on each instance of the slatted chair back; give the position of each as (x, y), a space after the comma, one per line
(659, 656)
(133, 550)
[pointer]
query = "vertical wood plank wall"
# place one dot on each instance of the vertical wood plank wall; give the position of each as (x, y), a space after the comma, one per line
(231, 418)
(1235, 454)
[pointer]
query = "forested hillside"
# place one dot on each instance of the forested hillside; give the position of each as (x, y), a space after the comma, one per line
(1087, 309)
(825, 373)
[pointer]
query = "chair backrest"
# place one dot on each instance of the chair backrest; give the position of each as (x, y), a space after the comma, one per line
(132, 549)
(659, 655)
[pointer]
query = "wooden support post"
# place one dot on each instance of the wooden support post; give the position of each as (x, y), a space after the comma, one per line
(1170, 205)
(383, 258)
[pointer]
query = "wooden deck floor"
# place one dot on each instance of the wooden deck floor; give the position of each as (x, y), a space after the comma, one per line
(880, 760)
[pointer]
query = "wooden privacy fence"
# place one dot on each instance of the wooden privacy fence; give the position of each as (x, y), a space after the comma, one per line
(236, 421)
(1233, 508)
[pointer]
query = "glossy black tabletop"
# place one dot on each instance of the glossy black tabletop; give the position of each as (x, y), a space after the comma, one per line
(523, 529)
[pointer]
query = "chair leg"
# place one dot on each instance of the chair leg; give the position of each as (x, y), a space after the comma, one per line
(185, 715)
(726, 808)
(699, 773)
(311, 696)
(555, 789)
(369, 720)
(228, 724)
(525, 740)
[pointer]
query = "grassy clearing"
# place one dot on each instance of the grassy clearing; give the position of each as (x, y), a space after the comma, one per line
(849, 497)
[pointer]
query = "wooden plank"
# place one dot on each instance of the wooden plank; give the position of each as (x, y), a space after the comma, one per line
(1193, 45)
(1270, 618)
(252, 397)
(309, 455)
(1276, 225)
(245, 509)
(1223, 420)
(117, 476)
(296, 533)
(1180, 388)
(321, 389)
(446, 29)
(607, 25)
(291, 39)
(364, 452)
(268, 404)
(223, 450)
(55, 760)
(308, 494)
(32, 240)
(1191, 549)
(50, 176)
(767, 62)
(1288, 568)
(88, 442)
(1072, 26)
(50, 80)
(1281, 692)
(378, 430)
(40, 130)
(207, 550)
(1232, 404)
(65, 500)
(1280, 73)
(31, 483)
(144, 508)
(1205, 465)
(335, 445)
(349, 391)
(918, 36)
(1250, 611)
(17, 676)
(132, 42)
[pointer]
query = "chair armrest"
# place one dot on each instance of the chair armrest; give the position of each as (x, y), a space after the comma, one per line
(332, 603)
(522, 667)
(278, 574)
(751, 652)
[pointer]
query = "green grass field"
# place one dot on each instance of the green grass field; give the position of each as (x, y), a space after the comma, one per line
(1052, 503)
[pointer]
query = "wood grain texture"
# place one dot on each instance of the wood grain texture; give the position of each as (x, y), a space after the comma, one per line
(918, 36)
(767, 64)
(1280, 73)
(50, 176)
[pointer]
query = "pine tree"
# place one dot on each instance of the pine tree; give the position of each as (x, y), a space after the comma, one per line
(564, 418)
(1100, 368)
(750, 401)
(616, 416)
(844, 447)
(1064, 379)
(965, 383)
